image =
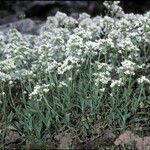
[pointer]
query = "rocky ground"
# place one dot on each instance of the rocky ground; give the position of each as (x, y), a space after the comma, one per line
(28, 16)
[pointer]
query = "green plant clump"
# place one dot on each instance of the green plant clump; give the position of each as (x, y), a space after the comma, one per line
(76, 73)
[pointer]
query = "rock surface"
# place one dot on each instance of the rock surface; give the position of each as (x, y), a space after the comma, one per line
(25, 26)
(23, 14)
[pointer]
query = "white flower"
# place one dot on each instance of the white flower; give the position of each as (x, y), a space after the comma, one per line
(24, 92)
(102, 90)
(127, 67)
(10, 82)
(117, 83)
(103, 66)
(114, 8)
(143, 79)
(103, 77)
(3, 93)
(62, 84)
(4, 76)
(67, 64)
(38, 91)
(46, 90)
(70, 79)
(111, 94)
(127, 64)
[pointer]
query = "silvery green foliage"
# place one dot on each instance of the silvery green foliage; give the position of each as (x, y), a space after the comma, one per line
(116, 47)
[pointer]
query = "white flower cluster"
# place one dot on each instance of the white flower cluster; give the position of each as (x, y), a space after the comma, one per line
(143, 79)
(127, 67)
(103, 73)
(117, 83)
(114, 8)
(38, 91)
(4, 77)
(111, 47)
(67, 64)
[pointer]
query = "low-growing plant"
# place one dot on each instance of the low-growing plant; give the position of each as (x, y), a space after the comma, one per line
(76, 73)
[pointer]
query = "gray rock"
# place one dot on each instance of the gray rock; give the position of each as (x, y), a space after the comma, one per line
(25, 26)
